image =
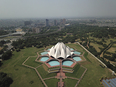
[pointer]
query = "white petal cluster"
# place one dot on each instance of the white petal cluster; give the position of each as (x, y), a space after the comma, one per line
(60, 50)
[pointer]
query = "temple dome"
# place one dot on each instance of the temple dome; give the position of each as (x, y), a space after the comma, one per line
(60, 50)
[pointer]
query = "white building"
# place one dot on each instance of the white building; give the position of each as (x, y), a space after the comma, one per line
(60, 50)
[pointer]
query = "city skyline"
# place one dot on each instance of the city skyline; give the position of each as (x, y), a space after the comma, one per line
(56, 9)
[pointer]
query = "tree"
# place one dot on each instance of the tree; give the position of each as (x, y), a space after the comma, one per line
(0, 63)
(7, 55)
(1, 51)
(5, 80)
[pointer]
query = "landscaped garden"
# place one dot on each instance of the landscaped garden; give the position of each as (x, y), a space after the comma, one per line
(27, 77)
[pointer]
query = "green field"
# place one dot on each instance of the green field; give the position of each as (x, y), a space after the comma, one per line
(44, 72)
(52, 82)
(78, 71)
(31, 62)
(21, 75)
(70, 82)
(27, 77)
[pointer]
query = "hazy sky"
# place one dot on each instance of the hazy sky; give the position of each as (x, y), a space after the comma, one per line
(57, 8)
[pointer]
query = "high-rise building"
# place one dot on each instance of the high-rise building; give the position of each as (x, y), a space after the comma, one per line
(61, 21)
(47, 22)
(64, 21)
(36, 30)
(55, 22)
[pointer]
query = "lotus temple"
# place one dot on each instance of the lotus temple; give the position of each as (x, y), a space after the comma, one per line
(59, 59)
(61, 55)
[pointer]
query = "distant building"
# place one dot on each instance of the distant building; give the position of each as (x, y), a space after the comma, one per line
(47, 22)
(55, 22)
(61, 22)
(27, 23)
(64, 21)
(36, 30)
(39, 25)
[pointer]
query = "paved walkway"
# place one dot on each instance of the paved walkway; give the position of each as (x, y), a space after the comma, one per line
(61, 75)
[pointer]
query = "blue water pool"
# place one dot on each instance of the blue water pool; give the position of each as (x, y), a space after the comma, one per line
(71, 49)
(44, 53)
(44, 59)
(78, 53)
(77, 58)
(67, 63)
(54, 63)
(49, 49)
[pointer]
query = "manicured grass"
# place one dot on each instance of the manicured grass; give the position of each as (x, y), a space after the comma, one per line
(79, 49)
(31, 62)
(21, 75)
(67, 67)
(52, 82)
(76, 47)
(54, 67)
(69, 82)
(78, 71)
(44, 73)
(93, 74)
(85, 55)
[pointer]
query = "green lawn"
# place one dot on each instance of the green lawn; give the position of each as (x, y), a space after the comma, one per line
(52, 82)
(93, 74)
(44, 73)
(78, 71)
(22, 76)
(79, 49)
(69, 82)
(31, 62)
